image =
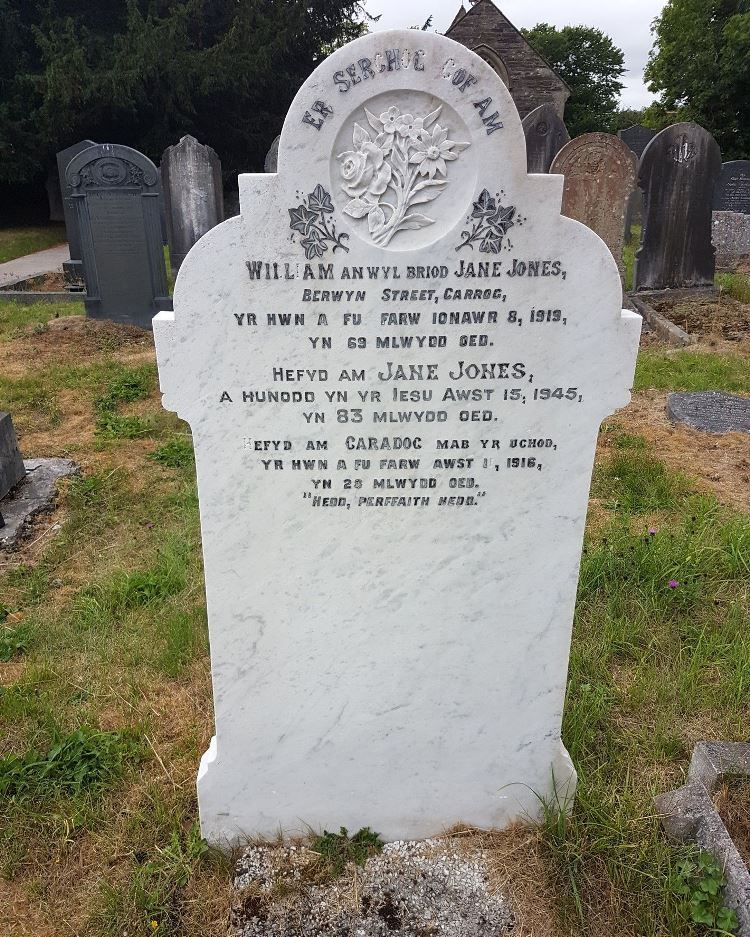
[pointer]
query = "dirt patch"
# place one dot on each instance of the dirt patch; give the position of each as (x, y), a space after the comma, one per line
(721, 317)
(89, 336)
(719, 463)
(19, 917)
(732, 800)
(44, 283)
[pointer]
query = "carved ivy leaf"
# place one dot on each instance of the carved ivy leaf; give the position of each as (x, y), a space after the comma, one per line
(360, 136)
(431, 118)
(414, 221)
(375, 219)
(319, 200)
(301, 219)
(357, 208)
(484, 205)
(375, 122)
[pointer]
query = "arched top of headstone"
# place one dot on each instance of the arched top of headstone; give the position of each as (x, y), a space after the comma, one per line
(591, 153)
(111, 165)
(189, 145)
(546, 134)
(732, 192)
(685, 145)
(272, 156)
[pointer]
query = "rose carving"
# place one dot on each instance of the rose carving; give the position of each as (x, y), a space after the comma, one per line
(402, 165)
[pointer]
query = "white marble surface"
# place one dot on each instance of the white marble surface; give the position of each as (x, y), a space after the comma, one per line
(402, 667)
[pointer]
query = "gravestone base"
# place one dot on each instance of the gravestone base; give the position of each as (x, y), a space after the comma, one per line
(34, 495)
(73, 276)
(710, 411)
(684, 294)
(433, 887)
(96, 309)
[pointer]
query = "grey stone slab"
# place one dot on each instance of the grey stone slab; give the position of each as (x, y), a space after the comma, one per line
(193, 196)
(116, 197)
(546, 135)
(689, 816)
(272, 157)
(666, 330)
(11, 463)
(732, 190)
(710, 411)
(36, 494)
(730, 233)
(71, 221)
(677, 174)
(637, 138)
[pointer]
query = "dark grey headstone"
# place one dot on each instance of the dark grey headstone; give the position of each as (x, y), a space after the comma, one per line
(710, 411)
(637, 138)
(677, 174)
(732, 192)
(54, 195)
(272, 157)
(193, 195)
(116, 197)
(633, 213)
(546, 135)
(11, 463)
(71, 222)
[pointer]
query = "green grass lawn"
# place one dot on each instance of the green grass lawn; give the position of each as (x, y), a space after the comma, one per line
(15, 242)
(105, 697)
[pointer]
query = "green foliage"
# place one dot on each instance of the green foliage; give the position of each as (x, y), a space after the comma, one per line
(736, 285)
(17, 241)
(591, 65)
(14, 641)
(633, 480)
(129, 386)
(85, 760)
(691, 370)
(338, 849)
(176, 453)
(147, 72)
(699, 67)
(699, 882)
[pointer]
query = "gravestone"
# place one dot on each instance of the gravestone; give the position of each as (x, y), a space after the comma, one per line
(633, 213)
(710, 411)
(546, 135)
(54, 195)
(730, 233)
(395, 362)
(600, 176)
(116, 198)
(732, 191)
(11, 462)
(73, 268)
(193, 196)
(637, 138)
(677, 174)
(272, 157)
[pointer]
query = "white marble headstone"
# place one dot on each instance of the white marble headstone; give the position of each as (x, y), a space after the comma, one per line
(394, 362)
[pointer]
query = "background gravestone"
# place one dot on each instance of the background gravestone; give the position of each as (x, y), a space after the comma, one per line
(637, 138)
(193, 197)
(272, 157)
(732, 191)
(546, 135)
(73, 268)
(600, 175)
(731, 237)
(710, 411)
(677, 174)
(116, 197)
(392, 511)
(11, 463)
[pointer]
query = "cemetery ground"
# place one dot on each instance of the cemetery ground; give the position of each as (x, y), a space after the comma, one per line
(104, 682)
(16, 242)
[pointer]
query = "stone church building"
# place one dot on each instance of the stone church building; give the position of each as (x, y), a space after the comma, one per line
(529, 78)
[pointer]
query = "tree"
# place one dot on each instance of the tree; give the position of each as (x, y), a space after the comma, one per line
(145, 72)
(590, 64)
(700, 67)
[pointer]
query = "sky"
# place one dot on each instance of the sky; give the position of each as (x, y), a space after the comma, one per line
(627, 23)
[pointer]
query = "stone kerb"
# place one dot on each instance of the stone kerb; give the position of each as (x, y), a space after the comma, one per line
(331, 624)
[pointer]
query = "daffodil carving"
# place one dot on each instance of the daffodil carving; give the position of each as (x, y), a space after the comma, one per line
(401, 162)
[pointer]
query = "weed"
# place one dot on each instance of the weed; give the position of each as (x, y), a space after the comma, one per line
(115, 426)
(692, 370)
(176, 453)
(735, 285)
(14, 641)
(629, 441)
(338, 849)
(131, 385)
(699, 882)
(634, 481)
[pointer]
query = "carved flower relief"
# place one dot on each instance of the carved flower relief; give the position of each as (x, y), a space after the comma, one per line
(401, 167)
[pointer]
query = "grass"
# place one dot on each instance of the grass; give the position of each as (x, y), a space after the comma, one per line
(105, 698)
(628, 255)
(15, 242)
(17, 317)
(736, 285)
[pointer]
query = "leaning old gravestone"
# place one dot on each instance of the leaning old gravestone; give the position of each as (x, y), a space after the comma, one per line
(12, 470)
(546, 135)
(710, 411)
(677, 174)
(637, 138)
(600, 173)
(732, 190)
(193, 196)
(272, 156)
(116, 198)
(73, 268)
(395, 362)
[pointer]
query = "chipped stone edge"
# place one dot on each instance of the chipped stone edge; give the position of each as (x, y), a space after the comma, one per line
(13, 536)
(665, 329)
(689, 816)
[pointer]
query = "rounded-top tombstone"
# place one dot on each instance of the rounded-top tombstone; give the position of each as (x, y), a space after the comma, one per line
(395, 362)
(115, 192)
(677, 174)
(546, 134)
(600, 176)
(732, 191)
(637, 138)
